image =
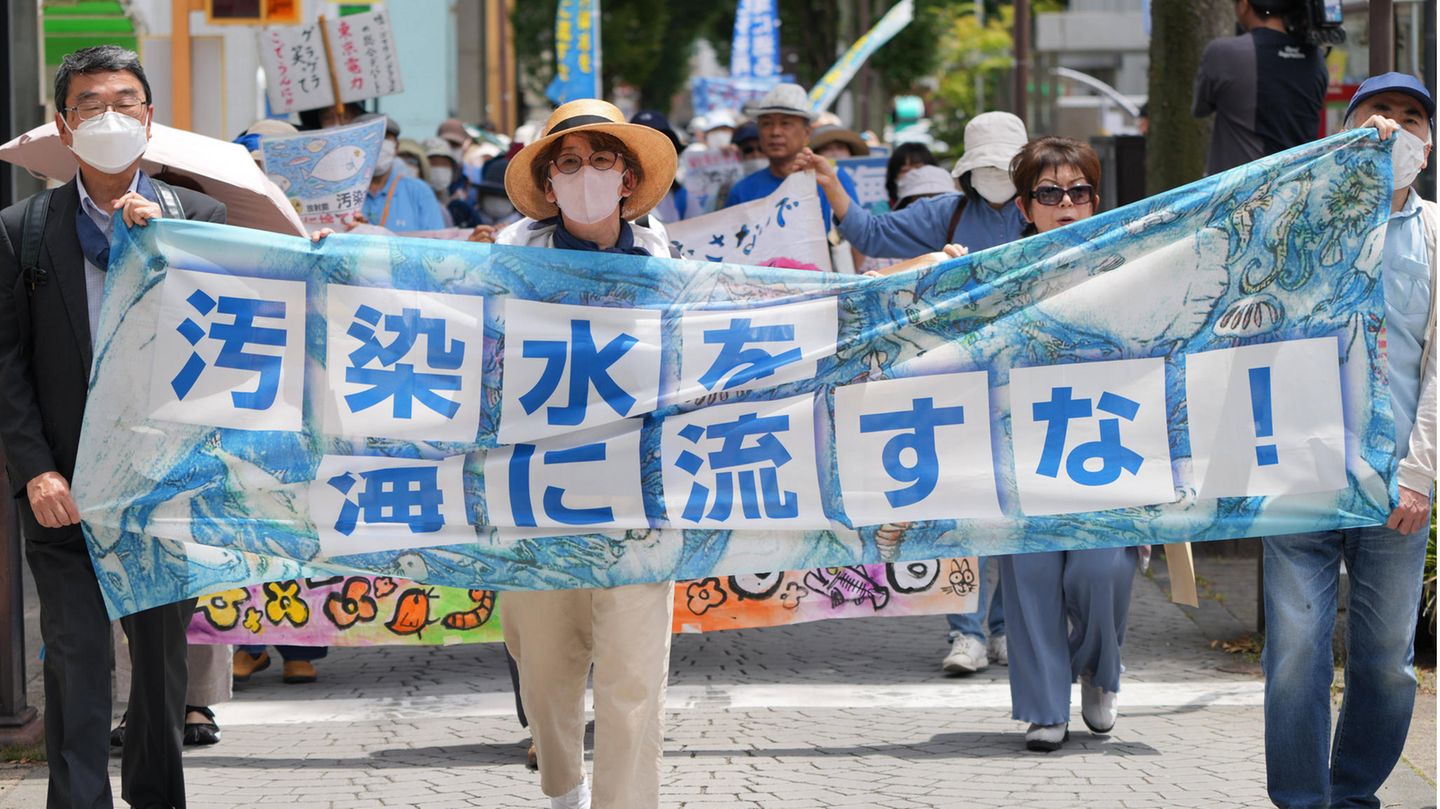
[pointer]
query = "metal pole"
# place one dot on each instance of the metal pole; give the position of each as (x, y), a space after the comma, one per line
(1382, 36)
(979, 74)
(1021, 90)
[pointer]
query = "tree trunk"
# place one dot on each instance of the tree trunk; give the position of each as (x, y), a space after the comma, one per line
(1176, 146)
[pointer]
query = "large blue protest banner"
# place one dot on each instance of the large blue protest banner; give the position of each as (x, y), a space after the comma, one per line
(1201, 365)
(755, 46)
(577, 52)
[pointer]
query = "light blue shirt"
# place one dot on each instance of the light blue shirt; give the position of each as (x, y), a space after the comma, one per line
(95, 276)
(413, 207)
(923, 227)
(1408, 295)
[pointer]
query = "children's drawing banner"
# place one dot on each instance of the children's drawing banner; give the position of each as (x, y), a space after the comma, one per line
(1201, 365)
(368, 610)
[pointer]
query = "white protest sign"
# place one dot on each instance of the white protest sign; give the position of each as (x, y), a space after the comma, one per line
(709, 174)
(789, 224)
(297, 76)
(363, 47)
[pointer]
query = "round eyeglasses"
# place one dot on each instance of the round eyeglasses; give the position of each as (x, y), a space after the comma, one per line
(571, 163)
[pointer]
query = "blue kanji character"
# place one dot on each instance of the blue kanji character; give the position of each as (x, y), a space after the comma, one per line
(234, 336)
(918, 424)
(767, 450)
(588, 366)
(748, 363)
(1115, 457)
(553, 500)
(401, 495)
(718, 240)
(781, 207)
(398, 380)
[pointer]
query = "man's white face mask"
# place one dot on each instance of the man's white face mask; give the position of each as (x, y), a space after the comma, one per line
(386, 158)
(589, 195)
(110, 142)
(496, 208)
(718, 138)
(1407, 157)
(441, 177)
(993, 184)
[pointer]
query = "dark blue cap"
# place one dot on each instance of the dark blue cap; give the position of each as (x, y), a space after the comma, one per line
(1393, 83)
(655, 120)
(747, 132)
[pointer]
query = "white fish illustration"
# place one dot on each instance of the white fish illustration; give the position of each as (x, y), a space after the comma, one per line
(341, 163)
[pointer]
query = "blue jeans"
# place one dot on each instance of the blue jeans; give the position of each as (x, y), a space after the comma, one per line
(973, 623)
(1302, 576)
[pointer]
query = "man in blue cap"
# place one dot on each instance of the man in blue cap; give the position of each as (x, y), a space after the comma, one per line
(1385, 563)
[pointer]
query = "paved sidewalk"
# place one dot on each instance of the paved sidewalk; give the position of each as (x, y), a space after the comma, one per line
(837, 714)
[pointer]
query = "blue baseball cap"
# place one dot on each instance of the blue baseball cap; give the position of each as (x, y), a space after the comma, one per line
(1393, 83)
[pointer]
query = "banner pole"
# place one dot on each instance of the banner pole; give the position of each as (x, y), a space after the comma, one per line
(330, 65)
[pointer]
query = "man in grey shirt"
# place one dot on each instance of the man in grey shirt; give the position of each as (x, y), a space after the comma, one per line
(1265, 87)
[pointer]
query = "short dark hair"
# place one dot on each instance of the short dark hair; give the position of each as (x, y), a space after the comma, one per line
(1052, 152)
(908, 152)
(599, 142)
(97, 59)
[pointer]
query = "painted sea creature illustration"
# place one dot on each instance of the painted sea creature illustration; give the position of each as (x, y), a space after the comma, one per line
(852, 584)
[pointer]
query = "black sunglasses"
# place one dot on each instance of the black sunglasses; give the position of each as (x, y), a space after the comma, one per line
(1052, 194)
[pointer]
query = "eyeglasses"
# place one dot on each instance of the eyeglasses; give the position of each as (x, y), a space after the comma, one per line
(751, 150)
(1052, 194)
(90, 109)
(571, 163)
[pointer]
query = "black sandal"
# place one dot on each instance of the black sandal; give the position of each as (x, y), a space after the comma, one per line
(117, 735)
(198, 733)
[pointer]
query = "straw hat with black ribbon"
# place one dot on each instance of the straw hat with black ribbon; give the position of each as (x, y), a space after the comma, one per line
(650, 147)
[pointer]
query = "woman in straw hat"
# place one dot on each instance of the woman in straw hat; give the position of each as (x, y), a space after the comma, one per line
(578, 186)
(582, 185)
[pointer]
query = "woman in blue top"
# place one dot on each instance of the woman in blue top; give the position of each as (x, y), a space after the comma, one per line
(980, 217)
(1087, 591)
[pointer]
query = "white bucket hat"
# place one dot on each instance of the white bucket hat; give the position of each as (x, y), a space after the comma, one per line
(991, 139)
(924, 180)
(783, 99)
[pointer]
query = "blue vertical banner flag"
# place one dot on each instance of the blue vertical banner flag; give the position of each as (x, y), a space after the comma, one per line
(577, 52)
(755, 48)
(825, 91)
(1203, 364)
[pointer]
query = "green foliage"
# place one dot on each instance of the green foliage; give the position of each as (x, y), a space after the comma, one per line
(914, 53)
(971, 57)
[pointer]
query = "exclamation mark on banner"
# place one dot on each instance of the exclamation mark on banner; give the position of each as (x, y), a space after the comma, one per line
(1260, 410)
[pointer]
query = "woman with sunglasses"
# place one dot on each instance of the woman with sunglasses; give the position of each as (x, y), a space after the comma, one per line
(1087, 589)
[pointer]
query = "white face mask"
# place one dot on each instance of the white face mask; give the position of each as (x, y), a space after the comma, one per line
(754, 164)
(440, 177)
(1407, 156)
(386, 158)
(718, 139)
(991, 183)
(407, 169)
(496, 208)
(589, 195)
(109, 142)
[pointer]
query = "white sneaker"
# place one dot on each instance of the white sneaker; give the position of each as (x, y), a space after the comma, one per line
(1046, 738)
(1098, 707)
(967, 656)
(577, 798)
(998, 650)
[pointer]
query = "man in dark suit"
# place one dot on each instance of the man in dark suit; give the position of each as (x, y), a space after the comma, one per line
(48, 318)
